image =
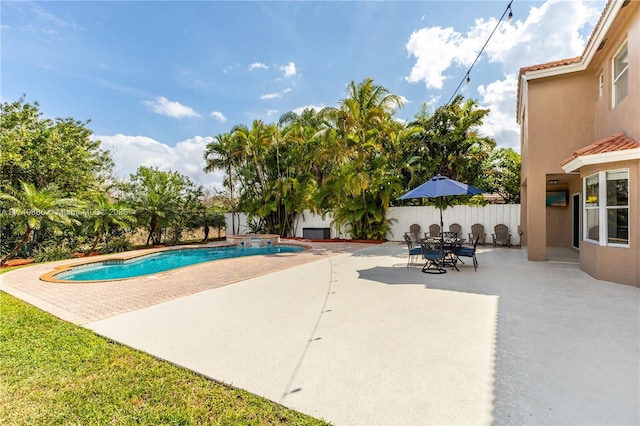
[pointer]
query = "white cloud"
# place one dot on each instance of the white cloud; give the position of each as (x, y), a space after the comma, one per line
(404, 100)
(272, 112)
(219, 116)
(501, 123)
(547, 33)
(276, 94)
(46, 16)
(299, 110)
(436, 49)
(550, 32)
(271, 96)
(227, 68)
(289, 69)
(164, 106)
(187, 157)
(257, 65)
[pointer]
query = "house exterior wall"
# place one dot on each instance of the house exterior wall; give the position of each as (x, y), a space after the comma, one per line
(562, 112)
(559, 120)
(626, 115)
(617, 264)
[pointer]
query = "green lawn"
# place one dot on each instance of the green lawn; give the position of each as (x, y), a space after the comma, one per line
(53, 372)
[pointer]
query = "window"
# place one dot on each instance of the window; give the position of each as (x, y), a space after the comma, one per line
(618, 207)
(607, 202)
(601, 85)
(620, 74)
(592, 191)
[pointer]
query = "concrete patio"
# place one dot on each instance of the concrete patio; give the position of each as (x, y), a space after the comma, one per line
(353, 336)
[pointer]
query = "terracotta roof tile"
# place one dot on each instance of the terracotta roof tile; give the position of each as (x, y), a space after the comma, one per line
(617, 142)
(548, 65)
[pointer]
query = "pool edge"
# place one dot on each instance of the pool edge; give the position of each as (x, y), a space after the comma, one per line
(50, 276)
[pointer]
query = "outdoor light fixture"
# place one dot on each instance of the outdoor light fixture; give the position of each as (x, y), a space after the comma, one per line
(553, 181)
(510, 18)
(468, 80)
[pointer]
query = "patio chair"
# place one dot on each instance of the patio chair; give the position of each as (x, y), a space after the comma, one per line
(414, 249)
(414, 231)
(456, 228)
(434, 230)
(501, 235)
(468, 252)
(433, 254)
(477, 230)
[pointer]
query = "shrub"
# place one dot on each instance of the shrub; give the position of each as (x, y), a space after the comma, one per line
(53, 252)
(117, 245)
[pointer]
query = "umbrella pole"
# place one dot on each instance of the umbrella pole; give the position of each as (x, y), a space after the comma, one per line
(441, 223)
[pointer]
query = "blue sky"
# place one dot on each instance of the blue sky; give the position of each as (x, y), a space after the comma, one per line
(160, 79)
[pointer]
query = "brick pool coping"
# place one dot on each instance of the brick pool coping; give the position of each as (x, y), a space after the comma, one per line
(81, 303)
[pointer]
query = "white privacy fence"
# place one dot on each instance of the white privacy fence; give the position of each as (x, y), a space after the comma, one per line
(403, 217)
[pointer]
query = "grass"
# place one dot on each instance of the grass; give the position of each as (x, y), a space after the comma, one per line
(53, 372)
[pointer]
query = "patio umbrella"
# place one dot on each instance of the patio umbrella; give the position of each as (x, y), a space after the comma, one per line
(441, 186)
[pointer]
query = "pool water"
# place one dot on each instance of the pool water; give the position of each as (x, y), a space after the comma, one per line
(164, 261)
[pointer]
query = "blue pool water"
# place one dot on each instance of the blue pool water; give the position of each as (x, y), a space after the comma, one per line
(164, 261)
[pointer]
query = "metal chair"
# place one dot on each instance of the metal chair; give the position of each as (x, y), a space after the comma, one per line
(433, 254)
(414, 249)
(468, 252)
(501, 235)
(477, 230)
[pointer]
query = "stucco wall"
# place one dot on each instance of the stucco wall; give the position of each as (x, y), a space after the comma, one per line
(560, 120)
(563, 113)
(621, 265)
(558, 226)
(626, 115)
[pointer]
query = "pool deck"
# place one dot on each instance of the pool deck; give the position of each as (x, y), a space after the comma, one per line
(81, 303)
(348, 333)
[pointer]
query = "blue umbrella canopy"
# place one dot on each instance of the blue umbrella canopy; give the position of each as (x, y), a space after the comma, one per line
(441, 186)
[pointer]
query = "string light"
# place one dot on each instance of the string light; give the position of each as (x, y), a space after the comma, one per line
(466, 76)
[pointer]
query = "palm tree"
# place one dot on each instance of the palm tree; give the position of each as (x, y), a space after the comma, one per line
(359, 187)
(31, 209)
(104, 215)
(223, 154)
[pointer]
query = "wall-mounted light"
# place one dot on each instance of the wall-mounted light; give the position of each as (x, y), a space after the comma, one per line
(553, 181)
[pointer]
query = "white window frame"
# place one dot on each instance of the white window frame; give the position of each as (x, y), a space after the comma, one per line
(602, 208)
(624, 73)
(600, 85)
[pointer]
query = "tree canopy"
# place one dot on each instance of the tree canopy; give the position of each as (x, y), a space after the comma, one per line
(42, 151)
(354, 160)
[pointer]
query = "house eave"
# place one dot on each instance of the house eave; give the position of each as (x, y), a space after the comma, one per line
(606, 157)
(589, 51)
(600, 32)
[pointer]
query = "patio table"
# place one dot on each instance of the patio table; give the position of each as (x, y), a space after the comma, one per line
(450, 245)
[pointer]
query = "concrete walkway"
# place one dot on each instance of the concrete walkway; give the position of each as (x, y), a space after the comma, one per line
(358, 338)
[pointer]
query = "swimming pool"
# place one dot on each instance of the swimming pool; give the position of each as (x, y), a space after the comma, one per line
(163, 261)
